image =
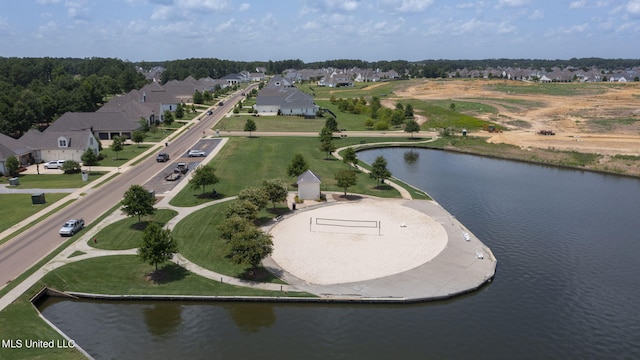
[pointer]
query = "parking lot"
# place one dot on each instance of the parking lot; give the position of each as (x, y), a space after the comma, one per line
(158, 182)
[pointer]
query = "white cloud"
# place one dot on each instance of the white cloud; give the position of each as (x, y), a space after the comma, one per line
(574, 29)
(311, 26)
(47, 2)
(225, 25)
(77, 9)
(405, 6)
(577, 4)
(244, 7)
(633, 7)
(512, 3)
(537, 15)
(199, 5)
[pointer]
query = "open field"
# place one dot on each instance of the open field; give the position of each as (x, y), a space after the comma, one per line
(601, 118)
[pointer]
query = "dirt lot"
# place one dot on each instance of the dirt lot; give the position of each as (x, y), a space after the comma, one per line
(596, 118)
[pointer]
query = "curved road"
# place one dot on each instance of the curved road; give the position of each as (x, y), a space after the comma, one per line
(23, 251)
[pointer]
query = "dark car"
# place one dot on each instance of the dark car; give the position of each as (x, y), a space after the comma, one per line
(162, 157)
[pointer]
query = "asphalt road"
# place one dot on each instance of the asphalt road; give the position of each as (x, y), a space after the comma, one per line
(23, 251)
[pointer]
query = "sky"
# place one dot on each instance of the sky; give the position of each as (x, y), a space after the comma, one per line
(318, 30)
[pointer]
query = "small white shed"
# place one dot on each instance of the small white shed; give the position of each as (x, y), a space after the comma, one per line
(308, 186)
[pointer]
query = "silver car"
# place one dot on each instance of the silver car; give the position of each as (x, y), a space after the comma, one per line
(55, 164)
(196, 153)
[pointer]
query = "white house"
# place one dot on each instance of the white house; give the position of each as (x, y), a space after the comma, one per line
(308, 186)
(65, 145)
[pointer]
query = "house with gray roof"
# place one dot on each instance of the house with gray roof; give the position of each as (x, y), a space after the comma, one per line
(279, 98)
(14, 147)
(60, 145)
(103, 124)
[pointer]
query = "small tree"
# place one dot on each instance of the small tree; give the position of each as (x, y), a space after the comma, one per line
(408, 111)
(168, 118)
(203, 175)
(138, 202)
(157, 246)
(331, 124)
(250, 247)
(345, 178)
(144, 124)
(198, 97)
(89, 158)
(138, 137)
(242, 208)
(250, 126)
(379, 169)
(11, 165)
(70, 167)
(276, 190)
(326, 141)
(233, 225)
(179, 112)
(411, 126)
(254, 195)
(350, 157)
(298, 166)
(117, 145)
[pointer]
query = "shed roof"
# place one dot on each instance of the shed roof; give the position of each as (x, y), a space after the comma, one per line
(308, 177)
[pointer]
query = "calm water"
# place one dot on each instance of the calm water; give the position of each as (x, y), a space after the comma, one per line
(566, 286)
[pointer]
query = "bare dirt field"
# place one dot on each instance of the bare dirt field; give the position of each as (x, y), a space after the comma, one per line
(599, 118)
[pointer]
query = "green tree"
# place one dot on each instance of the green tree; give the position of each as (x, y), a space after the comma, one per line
(345, 178)
(157, 246)
(242, 208)
(89, 158)
(411, 126)
(254, 195)
(11, 165)
(250, 126)
(232, 225)
(117, 145)
(179, 112)
(397, 117)
(331, 124)
(375, 106)
(138, 202)
(70, 167)
(250, 247)
(408, 111)
(203, 175)
(276, 190)
(138, 137)
(326, 141)
(198, 98)
(400, 107)
(379, 169)
(168, 118)
(350, 156)
(144, 124)
(298, 166)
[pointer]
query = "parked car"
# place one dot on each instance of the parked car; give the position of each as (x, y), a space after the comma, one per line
(71, 227)
(183, 167)
(196, 153)
(162, 157)
(55, 164)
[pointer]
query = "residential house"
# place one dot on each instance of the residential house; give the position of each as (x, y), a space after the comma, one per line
(60, 145)
(103, 124)
(14, 147)
(279, 98)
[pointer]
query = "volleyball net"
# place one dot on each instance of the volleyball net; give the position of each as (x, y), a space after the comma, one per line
(349, 226)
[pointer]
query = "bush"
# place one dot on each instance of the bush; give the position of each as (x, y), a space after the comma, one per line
(381, 125)
(71, 167)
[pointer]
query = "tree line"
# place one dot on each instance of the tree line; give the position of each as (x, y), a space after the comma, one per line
(36, 91)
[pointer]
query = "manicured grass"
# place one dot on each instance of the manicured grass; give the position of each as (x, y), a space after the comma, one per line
(440, 116)
(20, 321)
(245, 162)
(198, 241)
(127, 275)
(346, 120)
(270, 123)
(127, 233)
(367, 90)
(54, 181)
(21, 208)
(129, 152)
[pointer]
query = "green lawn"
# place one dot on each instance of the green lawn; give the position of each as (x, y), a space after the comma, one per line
(53, 181)
(129, 152)
(198, 241)
(127, 233)
(21, 208)
(245, 162)
(271, 123)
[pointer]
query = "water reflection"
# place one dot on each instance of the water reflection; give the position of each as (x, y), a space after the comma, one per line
(252, 318)
(162, 318)
(411, 157)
